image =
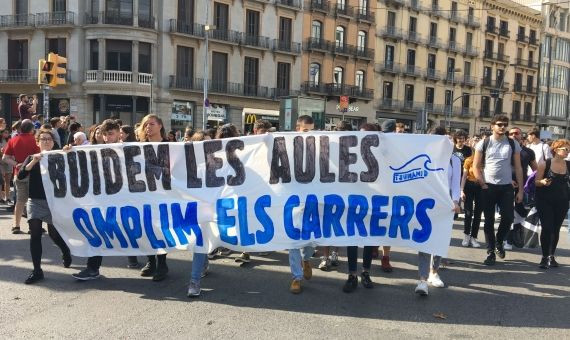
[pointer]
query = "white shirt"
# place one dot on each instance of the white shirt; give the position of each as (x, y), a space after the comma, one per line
(454, 178)
(541, 153)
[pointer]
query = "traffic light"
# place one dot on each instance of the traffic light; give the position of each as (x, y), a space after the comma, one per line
(43, 68)
(55, 71)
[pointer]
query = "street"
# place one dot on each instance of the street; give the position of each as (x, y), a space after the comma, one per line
(513, 299)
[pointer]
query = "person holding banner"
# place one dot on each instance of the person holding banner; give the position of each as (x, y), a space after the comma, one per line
(428, 264)
(152, 130)
(38, 209)
(299, 263)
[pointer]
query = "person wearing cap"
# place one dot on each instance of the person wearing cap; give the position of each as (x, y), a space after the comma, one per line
(388, 126)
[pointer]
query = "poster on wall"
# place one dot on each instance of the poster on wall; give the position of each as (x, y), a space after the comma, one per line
(216, 112)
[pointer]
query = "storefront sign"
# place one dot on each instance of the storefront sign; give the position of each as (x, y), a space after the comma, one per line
(216, 113)
(182, 111)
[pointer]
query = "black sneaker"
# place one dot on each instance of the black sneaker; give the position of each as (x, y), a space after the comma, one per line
(552, 262)
(365, 280)
(149, 269)
(66, 257)
(34, 277)
(501, 250)
(133, 262)
(86, 275)
(17, 231)
(490, 260)
(351, 284)
(161, 273)
(544, 263)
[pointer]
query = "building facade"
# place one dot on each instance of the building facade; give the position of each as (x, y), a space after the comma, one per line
(338, 59)
(554, 100)
(450, 59)
(130, 57)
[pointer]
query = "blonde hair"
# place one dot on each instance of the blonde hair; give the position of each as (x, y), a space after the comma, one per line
(140, 130)
(558, 144)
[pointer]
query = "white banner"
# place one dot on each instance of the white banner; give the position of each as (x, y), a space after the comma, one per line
(256, 193)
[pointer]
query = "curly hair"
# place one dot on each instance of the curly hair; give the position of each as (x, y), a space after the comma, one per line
(558, 144)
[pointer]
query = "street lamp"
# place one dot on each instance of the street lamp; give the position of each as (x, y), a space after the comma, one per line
(206, 104)
(447, 113)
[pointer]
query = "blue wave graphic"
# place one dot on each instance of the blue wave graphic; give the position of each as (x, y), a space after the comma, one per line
(428, 161)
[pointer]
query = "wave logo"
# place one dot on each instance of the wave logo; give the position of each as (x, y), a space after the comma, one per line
(408, 172)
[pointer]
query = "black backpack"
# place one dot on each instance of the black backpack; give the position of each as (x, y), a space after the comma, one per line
(486, 144)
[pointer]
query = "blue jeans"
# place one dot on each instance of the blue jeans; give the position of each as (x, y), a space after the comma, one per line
(295, 260)
(199, 263)
(426, 262)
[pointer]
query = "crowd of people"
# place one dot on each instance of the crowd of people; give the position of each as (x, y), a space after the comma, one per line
(485, 173)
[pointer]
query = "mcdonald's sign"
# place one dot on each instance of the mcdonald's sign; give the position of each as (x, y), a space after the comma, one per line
(250, 119)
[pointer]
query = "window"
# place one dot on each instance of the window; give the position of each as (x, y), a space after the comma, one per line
(409, 95)
(337, 76)
(467, 69)
(219, 71)
(186, 11)
(469, 40)
(58, 6)
(518, 81)
(530, 56)
(119, 55)
(94, 7)
(527, 111)
(119, 9)
(391, 22)
(433, 30)
(521, 33)
(491, 23)
(184, 64)
(487, 75)
(498, 106)
(430, 94)
(519, 53)
(361, 42)
(221, 18)
(413, 25)
(516, 114)
(485, 106)
(283, 77)
(504, 27)
(450, 68)
(501, 50)
(452, 35)
(145, 13)
(500, 77)
(56, 46)
(453, 7)
(532, 36)
(315, 74)
(389, 56)
(411, 61)
(448, 98)
(17, 54)
(93, 54)
(285, 30)
(145, 65)
(252, 23)
(488, 48)
(21, 7)
(359, 80)
(387, 90)
(465, 99)
(316, 30)
(341, 4)
(431, 62)
(250, 75)
(339, 36)
(530, 83)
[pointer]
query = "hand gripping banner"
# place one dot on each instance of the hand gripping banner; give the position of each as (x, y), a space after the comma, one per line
(257, 193)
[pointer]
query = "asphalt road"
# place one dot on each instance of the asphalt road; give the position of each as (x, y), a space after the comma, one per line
(513, 299)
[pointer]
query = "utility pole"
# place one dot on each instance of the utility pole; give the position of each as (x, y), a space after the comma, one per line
(206, 103)
(45, 106)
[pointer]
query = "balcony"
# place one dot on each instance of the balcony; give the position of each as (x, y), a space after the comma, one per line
(343, 10)
(450, 78)
(526, 63)
(414, 38)
(17, 21)
(333, 89)
(527, 117)
(229, 36)
(295, 4)
(469, 81)
(518, 88)
(529, 89)
(532, 40)
(433, 74)
(19, 76)
(363, 53)
(465, 111)
(499, 57)
(472, 21)
(319, 6)
(412, 71)
(471, 51)
(494, 84)
(317, 44)
(391, 32)
(491, 29)
(516, 116)
(147, 22)
(436, 11)
(195, 30)
(108, 18)
(415, 5)
(434, 42)
(345, 49)
(503, 32)
(55, 19)
(226, 88)
(455, 17)
(313, 87)
(288, 47)
(257, 41)
(485, 113)
(388, 67)
(117, 77)
(409, 105)
(389, 104)
(454, 47)
(364, 14)
(396, 3)
(522, 38)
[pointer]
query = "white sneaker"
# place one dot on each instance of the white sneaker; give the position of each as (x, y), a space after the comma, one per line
(475, 243)
(507, 246)
(422, 288)
(325, 264)
(194, 289)
(334, 258)
(466, 240)
(435, 281)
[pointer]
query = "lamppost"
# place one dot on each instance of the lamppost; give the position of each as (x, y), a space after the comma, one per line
(206, 103)
(447, 113)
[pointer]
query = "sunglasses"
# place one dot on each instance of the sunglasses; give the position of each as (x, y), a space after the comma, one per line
(563, 149)
(502, 124)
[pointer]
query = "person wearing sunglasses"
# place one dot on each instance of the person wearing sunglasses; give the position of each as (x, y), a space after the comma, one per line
(496, 158)
(552, 195)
